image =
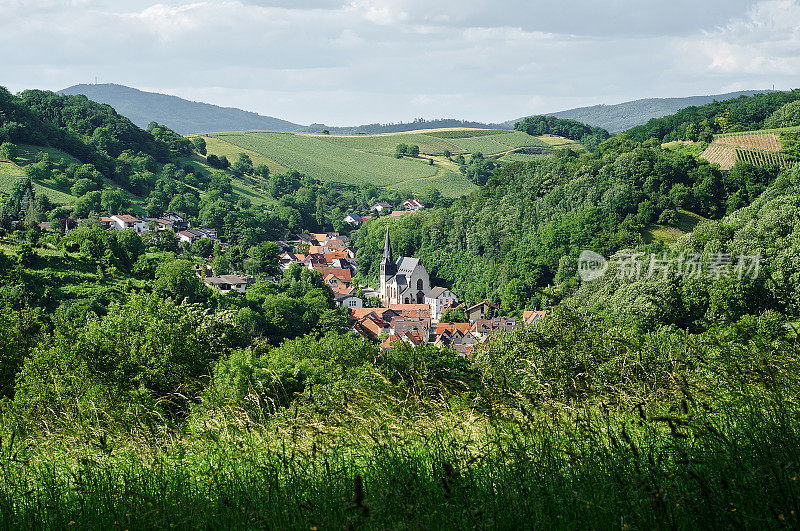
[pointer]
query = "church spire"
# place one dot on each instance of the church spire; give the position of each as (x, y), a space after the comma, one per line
(387, 248)
(388, 266)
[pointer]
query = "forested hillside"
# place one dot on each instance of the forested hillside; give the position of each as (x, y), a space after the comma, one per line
(700, 123)
(180, 115)
(623, 116)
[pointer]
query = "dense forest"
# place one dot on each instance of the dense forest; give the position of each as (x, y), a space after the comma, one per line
(133, 396)
(700, 123)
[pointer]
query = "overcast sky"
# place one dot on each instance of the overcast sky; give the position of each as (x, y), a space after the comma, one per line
(345, 62)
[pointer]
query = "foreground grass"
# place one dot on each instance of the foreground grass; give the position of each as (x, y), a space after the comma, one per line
(347, 461)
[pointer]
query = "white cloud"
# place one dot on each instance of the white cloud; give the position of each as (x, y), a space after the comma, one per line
(350, 61)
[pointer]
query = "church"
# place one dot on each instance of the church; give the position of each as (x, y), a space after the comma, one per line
(405, 281)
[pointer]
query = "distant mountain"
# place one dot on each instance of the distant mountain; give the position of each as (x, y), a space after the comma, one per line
(623, 116)
(377, 129)
(180, 115)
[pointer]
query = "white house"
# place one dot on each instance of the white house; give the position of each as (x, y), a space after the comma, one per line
(226, 283)
(412, 205)
(405, 281)
(126, 221)
(381, 206)
(348, 301)
(438, 299)
(353, 219)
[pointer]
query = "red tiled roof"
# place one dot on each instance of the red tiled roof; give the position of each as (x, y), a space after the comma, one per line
(342, 274)
(451, 328)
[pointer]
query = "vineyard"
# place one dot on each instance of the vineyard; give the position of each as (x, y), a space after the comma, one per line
(759, 148)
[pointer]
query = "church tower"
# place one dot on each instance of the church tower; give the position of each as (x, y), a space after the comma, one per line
(388, 268)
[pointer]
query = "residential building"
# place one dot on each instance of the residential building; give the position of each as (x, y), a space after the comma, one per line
(226, 283)
(380, 207)
(438, 299)
(412, 205)
(532, 316)
(480, 310)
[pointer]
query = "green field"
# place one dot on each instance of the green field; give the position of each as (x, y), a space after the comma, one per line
(327, 160)
(219, 147)
(369, 159)
(10, 173)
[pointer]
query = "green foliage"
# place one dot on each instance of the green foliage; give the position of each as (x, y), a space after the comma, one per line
(550, 125)
(119, 360)
(199, 144)
(451, 315)
(177, 279)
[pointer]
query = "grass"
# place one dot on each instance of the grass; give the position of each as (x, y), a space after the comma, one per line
(465, 133)
(217, 146)
(685, 223)
(369, 159)
(349, 461)
(760, 131)
(332, 160)
(11, 173)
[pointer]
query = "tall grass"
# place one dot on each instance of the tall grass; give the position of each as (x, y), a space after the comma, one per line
(719, 448)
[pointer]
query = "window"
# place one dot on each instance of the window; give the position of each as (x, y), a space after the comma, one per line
(419, 285)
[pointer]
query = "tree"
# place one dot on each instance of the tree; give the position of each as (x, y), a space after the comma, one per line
(262, 170)
(243, 165)
(90, 202)
(114, 201)
(401, 150)
(453, 315)
(413, 151)
(199, 144)
(176, 279)
(82, 187)
(262, 259)
(203, 247)
(8, 151)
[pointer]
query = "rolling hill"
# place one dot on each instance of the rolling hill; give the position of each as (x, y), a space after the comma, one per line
(180, 115)
(623, 116)
(369, 159)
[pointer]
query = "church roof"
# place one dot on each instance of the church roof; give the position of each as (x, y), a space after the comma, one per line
(406, 264)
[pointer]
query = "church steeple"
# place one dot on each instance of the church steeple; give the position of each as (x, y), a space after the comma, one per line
(388, 266)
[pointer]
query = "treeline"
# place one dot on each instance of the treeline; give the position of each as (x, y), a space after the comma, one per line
(745, 113)
(587, 135)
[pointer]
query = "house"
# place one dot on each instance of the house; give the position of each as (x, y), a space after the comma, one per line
(480, 310)
(321, 237)
(226, 283)
(421, 311)
(380, 207)
(344, 275)
(106, 222)
(412, 338)
(347, 300)
(397, 213)
(456, 336)
(400, 325)
(404, 281)
(178, 222)
(126, 221)
(369, 324)
(532, 316)
(332, 280)
(353, 219)
(486, 328)
(190, 236)
(438, 299)
(412, 205)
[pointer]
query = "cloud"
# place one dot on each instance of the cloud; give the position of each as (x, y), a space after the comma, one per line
(350, 61)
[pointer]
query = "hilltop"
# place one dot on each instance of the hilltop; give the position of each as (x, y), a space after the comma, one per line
(180, 115)
(623, 116)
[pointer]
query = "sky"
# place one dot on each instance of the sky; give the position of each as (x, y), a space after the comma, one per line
(348, 62)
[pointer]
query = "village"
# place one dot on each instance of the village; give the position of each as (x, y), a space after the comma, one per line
(403, 308)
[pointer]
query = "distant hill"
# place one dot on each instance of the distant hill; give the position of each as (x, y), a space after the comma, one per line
(623, 116)
(183, 116)
(402, 127)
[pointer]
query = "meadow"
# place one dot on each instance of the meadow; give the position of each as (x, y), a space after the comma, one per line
(369, 159)
(330, 161)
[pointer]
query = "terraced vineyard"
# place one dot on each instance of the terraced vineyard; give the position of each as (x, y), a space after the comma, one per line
(759, 148)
